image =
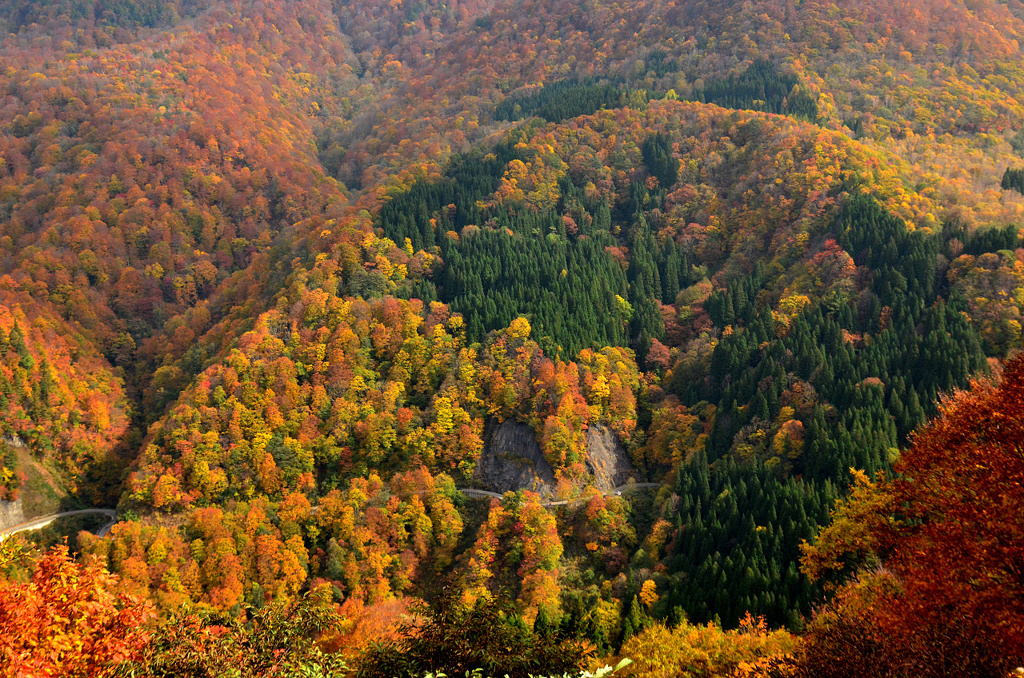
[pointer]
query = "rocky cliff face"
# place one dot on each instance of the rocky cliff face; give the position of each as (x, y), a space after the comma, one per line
(606, 459)
(11, 514)
(511, 460)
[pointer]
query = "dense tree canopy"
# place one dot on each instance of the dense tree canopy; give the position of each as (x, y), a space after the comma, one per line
(272, 274)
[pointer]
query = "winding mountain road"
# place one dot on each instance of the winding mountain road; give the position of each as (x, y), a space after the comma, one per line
(43, 521)
(483, 494)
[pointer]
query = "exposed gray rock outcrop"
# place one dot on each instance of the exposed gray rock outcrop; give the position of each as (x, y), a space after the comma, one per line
(606, 459)
(511, 460)
(11, 514)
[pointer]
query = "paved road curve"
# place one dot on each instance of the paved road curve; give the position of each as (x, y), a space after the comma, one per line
(43, 521)
(612, 493)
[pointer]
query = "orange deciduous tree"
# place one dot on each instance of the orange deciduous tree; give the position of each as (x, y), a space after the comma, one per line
(68, 621)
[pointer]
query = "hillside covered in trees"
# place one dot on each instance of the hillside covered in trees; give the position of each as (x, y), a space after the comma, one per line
(278, 278)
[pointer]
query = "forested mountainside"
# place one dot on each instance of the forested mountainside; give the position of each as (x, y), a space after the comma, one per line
(273, 273)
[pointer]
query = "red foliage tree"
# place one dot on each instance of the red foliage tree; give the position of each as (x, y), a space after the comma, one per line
(67, 621)
(949, 528)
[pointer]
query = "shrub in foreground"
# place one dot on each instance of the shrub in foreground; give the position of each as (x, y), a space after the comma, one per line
(689, 651)
(488, 638)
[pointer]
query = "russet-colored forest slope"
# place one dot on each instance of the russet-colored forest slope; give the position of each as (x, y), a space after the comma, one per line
(269, 269)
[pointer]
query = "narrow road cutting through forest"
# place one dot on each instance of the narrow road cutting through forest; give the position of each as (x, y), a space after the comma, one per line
(469, 492)
(43, 521)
